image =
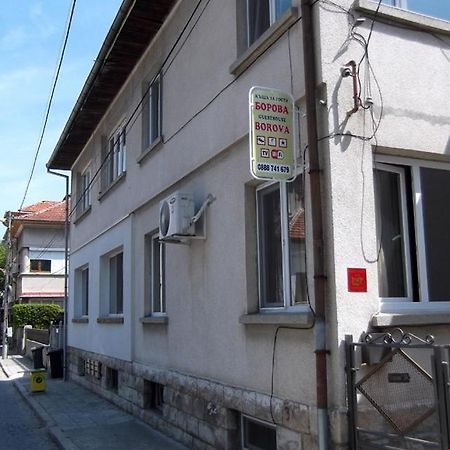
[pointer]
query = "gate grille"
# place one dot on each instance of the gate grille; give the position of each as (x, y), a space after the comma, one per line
(400, 390)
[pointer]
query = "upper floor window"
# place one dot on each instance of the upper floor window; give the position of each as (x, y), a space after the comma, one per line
(434, 8)
(261, 14)
(413, 220)
(83, 191)
(114, 156)
(281, 244)
(40, 265)
(151, 114)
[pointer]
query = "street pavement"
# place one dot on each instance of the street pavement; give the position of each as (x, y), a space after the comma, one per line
(74, 417)
(20, 428)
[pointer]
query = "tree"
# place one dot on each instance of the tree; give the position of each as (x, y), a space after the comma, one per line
(3, 254)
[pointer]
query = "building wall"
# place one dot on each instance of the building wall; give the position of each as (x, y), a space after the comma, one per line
(210, 284)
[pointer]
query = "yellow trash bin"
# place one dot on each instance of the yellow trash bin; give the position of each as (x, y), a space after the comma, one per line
(38, 380)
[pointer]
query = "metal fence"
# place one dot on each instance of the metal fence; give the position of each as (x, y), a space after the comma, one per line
(397, 392)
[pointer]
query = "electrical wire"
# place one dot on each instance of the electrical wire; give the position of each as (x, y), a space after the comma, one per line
(50, 101)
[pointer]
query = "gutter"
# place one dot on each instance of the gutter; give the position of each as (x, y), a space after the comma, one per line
(66, 267)
(321, 351)
(122, 14)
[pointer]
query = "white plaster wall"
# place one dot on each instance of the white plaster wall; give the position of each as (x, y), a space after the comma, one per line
(109, 339)
(415, 122)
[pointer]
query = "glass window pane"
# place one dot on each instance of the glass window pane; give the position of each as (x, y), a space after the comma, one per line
(434, 8)
(297, 256)
(154, 112)
(258, 13)
(258, 436)
(85, 292)
(391, 265)
(436, 218)
(281, 6)
(270, 252)
(156, 275)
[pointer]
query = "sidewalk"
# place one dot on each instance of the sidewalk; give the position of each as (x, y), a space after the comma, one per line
(77, 418)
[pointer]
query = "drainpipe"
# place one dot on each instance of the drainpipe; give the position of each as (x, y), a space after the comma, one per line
(317, 224)
(66, 266)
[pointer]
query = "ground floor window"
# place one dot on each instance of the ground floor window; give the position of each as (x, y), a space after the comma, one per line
(258, 435)
(281, 244)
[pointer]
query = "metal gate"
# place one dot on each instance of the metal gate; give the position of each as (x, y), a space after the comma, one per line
(397, 392)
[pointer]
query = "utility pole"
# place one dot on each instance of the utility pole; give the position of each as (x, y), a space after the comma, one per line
(7, 287)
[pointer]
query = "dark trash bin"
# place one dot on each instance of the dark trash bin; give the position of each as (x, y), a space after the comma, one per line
(38, 362)
(56, 363)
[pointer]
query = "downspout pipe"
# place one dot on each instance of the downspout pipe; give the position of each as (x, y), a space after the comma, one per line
(66, 272)
(321, 351)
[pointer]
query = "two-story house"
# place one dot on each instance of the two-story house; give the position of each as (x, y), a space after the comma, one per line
(233, 335)
(38, 253)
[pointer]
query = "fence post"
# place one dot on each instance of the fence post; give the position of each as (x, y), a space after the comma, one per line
(351, 395)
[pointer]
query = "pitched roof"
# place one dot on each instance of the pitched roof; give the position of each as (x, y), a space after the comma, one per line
(136, 24)
(45, 212)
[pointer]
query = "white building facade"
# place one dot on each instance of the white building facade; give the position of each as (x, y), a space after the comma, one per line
(215, 341)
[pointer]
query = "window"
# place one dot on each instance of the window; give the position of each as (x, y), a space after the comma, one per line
(114, 156)
(261, 14)
(112, 379)
(281, 244)
(151, 114)
(116, 284)
(153, 396)
(433, 8)
(84, 275)
(413, 220)
(84, 192)
(155, 274)
(40, 265)
(258, 435)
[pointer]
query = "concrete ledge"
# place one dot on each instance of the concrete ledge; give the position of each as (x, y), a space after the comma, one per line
(303, 319)
(417, 319)
(109, 319)
(154, 320)
(80, 320)
(403, 16)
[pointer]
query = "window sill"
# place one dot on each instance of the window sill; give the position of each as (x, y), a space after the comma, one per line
(149, 150)
(82, 215)
(419, 318)
(111, 187)
(301, 319)
(80, 320)
(415, 20)
(264, 42)
(110, 319)
(154, 320)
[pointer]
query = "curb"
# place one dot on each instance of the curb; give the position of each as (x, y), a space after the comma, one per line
(56, 434)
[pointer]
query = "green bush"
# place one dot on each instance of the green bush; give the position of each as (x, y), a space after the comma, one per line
(38, 316)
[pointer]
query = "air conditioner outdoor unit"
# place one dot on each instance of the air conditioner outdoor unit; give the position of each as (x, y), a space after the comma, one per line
(176, 214)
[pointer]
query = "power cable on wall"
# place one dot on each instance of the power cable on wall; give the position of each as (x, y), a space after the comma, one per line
(50, 101)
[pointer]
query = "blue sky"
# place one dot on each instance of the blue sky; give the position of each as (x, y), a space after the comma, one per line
(31, 37)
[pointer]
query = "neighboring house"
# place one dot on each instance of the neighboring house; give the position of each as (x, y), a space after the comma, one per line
(38, 255)
(224, 342)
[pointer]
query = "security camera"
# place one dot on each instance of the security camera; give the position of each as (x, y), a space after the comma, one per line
(346, 72)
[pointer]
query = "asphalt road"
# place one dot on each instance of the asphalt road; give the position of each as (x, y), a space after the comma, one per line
(20, 429)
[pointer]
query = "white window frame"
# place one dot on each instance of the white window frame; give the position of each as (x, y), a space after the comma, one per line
(116, 155)
(288, 301)
(155, 284)
(82, 291)
(408, 305)
(84, 191)
(268, 425)
(272, 17)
